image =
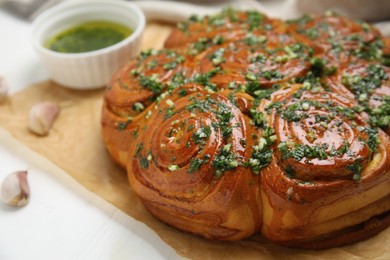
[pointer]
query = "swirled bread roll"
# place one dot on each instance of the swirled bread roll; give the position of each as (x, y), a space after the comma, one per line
(245, 124)
(134, 88)
(330, 169)
(185, 142)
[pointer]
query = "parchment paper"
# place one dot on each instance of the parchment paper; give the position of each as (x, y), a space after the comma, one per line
(76, 146)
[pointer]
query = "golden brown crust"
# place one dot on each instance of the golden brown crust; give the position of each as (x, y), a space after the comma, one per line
(225, 208)
(127, 99)
(346, 236)
(326, 32)
(305, 198)
(253, 58)
(254, 125)
(229, 24)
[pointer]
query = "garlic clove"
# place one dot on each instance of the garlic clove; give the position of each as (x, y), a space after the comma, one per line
(3, 89)
(15, 190)
(42, 116)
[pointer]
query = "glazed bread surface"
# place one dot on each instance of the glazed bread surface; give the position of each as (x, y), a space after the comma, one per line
(245, 124)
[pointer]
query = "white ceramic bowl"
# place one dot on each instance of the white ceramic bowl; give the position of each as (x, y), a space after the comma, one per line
(90, 69)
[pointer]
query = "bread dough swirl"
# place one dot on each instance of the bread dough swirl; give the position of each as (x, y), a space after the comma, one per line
(247, 124)
(173, 161)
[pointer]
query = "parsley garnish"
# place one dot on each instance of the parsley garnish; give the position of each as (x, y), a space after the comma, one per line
(182, 92)
(217, 57)
(254, 19)
(123, 125)
(365, 85)
(204, 79)
(153, 83)
(355, 168)
(259, 160)
(258, 118)
(224, 161)
(262, 153)
(372, 139)
(140, 146)
(299, 151)
(195, 164)
(144, 162)
(380, 116)
(201, 135)
(271, 75)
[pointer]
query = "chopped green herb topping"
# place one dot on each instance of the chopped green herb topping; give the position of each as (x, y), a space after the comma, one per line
(123, 125)
(318, 65)
(173, 167)
(201, 135)
(309, 81)
(224, 161)
(355, 168)
(277, 105)
(140, 146)
(254, 89)
(252, 40)
(218, 39)
(254, 19)
(201, 105)
(195, 164)
(224, 114)
(183, 26)
(262, 153)
(299, 151)
(171, 65)
(372, 140)
(386, 59)
(177, 80)
(134, 72)
(144, 162)
(271, 75)
(199, 46)
(204, 79)
(302, 21)
(312, 33)
(298, 50)
(258, 58)
(259, 160)
(152, 83)
(152, 64)
(343, 149)
(292, 115)
(364, 85)
(371, 50)
(147, 53)
(380, 116)
(138, 106)
(258, 118)
(217, 57)
(169, 112)
(182, 92)
(221, 110)
(250, 76)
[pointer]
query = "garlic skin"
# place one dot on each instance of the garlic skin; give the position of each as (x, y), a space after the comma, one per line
(42, 116)
(15, 190)
(3, 89)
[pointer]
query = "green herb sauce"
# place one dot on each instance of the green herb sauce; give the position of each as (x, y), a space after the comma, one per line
(88, 36)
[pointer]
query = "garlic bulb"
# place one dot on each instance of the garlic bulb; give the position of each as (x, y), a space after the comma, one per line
(3, 89)
(42, 116)
(15, 190)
